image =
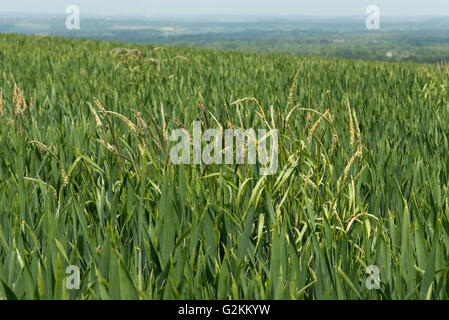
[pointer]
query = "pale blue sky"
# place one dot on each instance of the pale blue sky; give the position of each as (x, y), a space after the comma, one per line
(236, 7)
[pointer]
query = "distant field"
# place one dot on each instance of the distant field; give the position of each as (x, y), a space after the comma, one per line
(85, 178)
(420, 39)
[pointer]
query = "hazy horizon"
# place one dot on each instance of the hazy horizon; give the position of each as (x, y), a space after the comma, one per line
(187, 15)
(155, 8)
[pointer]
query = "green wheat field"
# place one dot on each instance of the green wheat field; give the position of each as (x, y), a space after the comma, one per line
(86, 179)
